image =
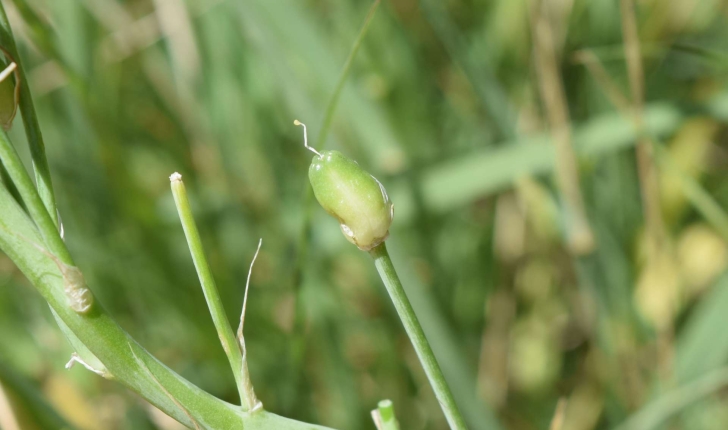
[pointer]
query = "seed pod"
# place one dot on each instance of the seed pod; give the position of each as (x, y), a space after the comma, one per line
(351, 195)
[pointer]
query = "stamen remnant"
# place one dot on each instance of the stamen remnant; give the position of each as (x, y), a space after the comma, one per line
(305, 137)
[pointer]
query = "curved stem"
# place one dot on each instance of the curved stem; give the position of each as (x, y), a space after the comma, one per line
(417, 336)
(111, 344)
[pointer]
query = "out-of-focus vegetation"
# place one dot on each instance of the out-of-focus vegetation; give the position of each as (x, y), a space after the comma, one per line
(443, 106)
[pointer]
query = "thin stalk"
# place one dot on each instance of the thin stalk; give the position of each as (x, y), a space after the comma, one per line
(222, 324)
(417, 336)
(610, 89)
(580, 238)
(30, 121)
(334, 100)
(646, 169)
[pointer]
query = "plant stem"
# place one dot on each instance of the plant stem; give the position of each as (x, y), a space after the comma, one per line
(34, 206)
(646, 168)
(579, 235)
(334, 100)
(384, 416)
(222, 324)
(110, 343)
(30, 121)
(31, 198)
(417, 336)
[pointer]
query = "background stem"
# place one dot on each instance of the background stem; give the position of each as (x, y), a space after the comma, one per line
(579, 235)
(417, 336)
(334, 100)
(646, 168)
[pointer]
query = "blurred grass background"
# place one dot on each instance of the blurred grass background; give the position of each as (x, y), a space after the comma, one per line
(442, 105)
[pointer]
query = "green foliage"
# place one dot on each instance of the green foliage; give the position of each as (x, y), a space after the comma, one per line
(441, 105)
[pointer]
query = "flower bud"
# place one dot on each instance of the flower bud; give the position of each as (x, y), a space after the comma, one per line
(352, 196)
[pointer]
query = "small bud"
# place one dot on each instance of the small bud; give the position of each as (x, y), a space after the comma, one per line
(354, 197)
(351, 195)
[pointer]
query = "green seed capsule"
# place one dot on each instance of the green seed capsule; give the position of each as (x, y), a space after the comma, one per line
(351, 195)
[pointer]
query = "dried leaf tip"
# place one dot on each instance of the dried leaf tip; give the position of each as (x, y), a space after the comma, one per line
(245, 298)
(175, 177)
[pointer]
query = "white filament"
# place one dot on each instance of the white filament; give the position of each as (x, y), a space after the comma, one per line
(8, 70)
(305, 137)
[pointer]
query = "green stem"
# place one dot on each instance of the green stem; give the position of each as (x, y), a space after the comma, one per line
(31, 198)
(110, 344)
(384, 416)
(334, 100)
(30, 121)
(222, 324)
(417, 336)
(21, 181)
